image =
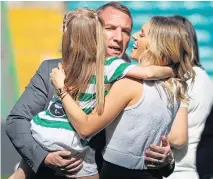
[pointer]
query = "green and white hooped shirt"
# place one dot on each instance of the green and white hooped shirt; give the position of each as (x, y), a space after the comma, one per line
(55, 116)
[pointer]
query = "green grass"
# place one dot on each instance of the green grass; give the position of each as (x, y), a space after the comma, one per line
(4, 176)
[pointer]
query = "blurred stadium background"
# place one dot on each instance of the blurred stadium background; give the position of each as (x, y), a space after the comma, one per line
(31, 32)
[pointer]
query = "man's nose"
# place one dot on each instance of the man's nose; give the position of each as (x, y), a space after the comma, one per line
(118, 35)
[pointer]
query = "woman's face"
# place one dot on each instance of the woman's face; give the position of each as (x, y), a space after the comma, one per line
(141, 42)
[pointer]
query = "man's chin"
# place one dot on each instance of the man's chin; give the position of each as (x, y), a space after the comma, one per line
(111, 53)
(115, 54)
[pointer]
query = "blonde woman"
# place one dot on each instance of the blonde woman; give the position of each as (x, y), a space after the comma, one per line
(87, 70)
(144, 110)
(200, 103)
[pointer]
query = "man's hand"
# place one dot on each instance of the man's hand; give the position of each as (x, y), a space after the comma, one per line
(159, 156)
(64, 163)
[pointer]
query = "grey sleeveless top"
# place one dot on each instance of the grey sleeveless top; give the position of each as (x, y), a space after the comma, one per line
(140, 125)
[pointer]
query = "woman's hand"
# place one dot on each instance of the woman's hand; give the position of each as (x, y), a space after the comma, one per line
(57, 76)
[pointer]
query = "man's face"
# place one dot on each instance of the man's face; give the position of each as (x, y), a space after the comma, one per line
(117, 29)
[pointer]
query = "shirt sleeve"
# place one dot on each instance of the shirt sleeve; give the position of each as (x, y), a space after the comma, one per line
(184, 104)
(116, 68)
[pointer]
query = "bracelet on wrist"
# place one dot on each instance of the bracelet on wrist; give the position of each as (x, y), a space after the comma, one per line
(61, 91)
(63, 95)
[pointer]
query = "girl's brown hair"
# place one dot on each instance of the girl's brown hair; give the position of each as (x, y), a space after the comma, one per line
(83, 53)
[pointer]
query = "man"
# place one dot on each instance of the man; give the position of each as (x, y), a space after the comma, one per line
(118, 25)
(204, 157)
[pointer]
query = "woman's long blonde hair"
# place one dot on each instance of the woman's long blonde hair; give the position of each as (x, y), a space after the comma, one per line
(83, 53)
(169, 44)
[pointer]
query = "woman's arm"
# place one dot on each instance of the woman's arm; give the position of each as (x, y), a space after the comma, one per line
(115, 102)
(178, 134)
(150, 72)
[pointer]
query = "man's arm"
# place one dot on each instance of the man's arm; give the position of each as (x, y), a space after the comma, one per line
(31, 102)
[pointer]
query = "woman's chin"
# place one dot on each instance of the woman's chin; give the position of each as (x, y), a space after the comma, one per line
(133, 57)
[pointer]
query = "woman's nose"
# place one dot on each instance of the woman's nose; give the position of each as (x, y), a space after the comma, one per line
(136, 35)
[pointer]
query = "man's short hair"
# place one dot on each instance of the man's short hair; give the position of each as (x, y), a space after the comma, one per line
(118, 6)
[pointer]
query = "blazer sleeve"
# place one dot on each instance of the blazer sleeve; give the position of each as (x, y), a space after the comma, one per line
(167, 170)
(31, 102)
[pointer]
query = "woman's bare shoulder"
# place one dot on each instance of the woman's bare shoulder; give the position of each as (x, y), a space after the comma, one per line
(128, 84)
